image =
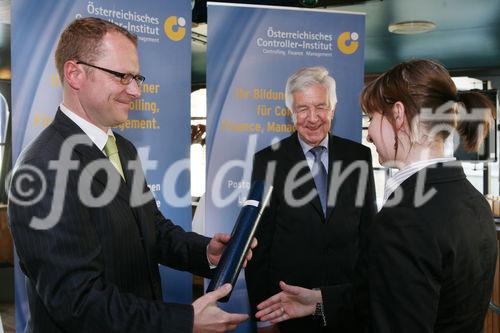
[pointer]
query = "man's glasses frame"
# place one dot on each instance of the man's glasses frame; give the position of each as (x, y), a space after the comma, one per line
(125, 78)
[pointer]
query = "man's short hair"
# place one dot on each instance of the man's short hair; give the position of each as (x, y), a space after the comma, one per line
(307, 77)
(82, 40)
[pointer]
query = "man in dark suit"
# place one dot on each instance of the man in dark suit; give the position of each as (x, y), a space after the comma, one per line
(87, 230)
(323, 199)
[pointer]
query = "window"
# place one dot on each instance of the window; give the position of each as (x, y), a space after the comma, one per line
(5, 137)
(198, 147)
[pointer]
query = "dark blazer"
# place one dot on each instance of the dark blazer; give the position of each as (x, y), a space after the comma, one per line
(426, 265)
(298, 244)
(96, 269)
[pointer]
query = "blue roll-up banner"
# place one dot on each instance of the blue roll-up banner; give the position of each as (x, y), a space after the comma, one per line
(252, 50)
(159, 122)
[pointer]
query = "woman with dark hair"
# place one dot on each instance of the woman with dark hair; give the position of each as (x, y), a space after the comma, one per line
(428, 262)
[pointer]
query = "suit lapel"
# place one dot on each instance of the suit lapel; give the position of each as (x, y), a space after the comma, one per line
(88, 151)
(127, 155)
(334, 155)
(441, 173)
(295, 155)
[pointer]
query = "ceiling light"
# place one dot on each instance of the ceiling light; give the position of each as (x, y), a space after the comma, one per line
(411, 27)
(309, 3)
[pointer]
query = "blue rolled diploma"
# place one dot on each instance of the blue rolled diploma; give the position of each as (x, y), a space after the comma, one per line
(234, 254)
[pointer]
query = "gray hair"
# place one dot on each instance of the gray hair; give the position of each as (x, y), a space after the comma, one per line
(309, 76)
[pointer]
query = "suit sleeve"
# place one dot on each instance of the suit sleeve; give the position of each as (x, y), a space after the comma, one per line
(338, 299)
(338, 304)
(369, 208)
(257, 272)
(180, 249)
(176, 248)
(403, 274)
(65, 267)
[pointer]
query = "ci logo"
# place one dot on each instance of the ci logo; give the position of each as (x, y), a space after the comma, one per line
(175, 28)
(347, 42)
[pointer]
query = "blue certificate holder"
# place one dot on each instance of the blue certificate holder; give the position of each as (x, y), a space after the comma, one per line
(233, 257)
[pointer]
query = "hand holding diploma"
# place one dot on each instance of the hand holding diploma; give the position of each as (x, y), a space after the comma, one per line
(238, 250)
(218, 244)
(209, 318)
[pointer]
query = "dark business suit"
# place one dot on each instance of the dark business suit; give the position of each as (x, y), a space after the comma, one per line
(425, 266)
(298, 244)
(96, 270)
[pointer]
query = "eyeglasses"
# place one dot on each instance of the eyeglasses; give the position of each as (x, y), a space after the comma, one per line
(125, 78)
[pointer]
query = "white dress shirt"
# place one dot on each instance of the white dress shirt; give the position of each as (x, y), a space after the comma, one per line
(406, 172)
(310, 156)
(97, 135)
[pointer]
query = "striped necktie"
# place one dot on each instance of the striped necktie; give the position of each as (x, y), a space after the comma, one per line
(319, 174)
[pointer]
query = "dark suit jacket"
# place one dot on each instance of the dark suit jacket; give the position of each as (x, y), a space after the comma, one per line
(96, 270)
(424, 267)
(297, 244)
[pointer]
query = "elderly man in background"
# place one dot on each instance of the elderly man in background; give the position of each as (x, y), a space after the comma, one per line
(323, 199)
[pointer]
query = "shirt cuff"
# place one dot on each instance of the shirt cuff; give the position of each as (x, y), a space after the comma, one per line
(261, 324)
(210, 264)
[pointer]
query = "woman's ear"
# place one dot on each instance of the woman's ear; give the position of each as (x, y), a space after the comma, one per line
(73, 74)
(399, 115)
